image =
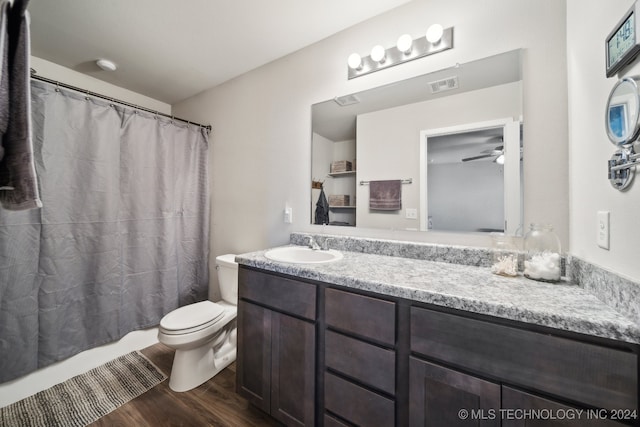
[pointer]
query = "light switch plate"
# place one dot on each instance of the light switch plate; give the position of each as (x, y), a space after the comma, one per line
(603, 229)
(288, 215)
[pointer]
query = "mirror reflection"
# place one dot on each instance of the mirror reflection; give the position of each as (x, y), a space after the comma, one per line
(623, 112)
(442, 151)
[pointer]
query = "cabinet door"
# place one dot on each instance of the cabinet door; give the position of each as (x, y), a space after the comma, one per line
(522, 409)
(254, 354)
(442, 397)
(293, 370)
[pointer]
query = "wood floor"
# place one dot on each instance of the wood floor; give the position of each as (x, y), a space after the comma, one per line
(214, 403)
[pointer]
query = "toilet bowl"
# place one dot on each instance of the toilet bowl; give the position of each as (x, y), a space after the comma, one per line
(204, 333)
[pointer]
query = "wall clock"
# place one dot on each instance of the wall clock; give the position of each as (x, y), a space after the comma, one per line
(621, 45)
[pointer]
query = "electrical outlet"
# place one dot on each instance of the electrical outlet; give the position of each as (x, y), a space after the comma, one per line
(411, 213)
(603, 229)
(288, 215)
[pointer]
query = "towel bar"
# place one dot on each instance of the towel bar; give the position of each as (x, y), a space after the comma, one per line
(404, 181)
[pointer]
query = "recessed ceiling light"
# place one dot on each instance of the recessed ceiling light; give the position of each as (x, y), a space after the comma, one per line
(106, 65)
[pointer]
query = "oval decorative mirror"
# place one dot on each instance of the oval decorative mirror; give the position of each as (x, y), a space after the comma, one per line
(622, 119)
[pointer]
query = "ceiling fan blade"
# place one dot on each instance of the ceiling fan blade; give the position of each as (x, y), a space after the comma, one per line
(496, 150)
(468, 159)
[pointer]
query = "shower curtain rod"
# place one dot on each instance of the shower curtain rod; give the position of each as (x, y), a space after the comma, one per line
(34, 75)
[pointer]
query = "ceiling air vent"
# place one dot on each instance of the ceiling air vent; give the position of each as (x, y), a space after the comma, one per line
(346, 100)
(444, 84)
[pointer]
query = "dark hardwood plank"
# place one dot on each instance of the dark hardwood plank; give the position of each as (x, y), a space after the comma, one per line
(214, 403)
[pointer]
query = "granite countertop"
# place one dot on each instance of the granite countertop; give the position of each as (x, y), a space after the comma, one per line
(561, 305)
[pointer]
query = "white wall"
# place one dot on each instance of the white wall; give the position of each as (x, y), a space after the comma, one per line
(62, 74)
(588, 23)
(262, 120)
(389, 143)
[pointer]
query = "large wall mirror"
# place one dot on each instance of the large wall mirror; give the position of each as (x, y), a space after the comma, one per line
(442, 151)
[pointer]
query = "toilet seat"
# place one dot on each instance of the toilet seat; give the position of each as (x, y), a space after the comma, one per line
(191, 318)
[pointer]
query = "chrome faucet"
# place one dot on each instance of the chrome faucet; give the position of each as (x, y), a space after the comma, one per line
(312, 244)
(325, 244)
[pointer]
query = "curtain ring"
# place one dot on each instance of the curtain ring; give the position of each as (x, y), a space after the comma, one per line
(57, 86)
(86, 95)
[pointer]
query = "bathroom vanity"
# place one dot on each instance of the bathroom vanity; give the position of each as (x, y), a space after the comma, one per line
(382, 340)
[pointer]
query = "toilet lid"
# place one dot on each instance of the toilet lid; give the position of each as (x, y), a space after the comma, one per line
(192, 317)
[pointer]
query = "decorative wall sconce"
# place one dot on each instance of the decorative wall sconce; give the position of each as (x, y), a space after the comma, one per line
(435, 40)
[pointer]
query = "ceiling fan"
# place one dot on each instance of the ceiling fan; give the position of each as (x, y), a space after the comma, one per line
(497, 152)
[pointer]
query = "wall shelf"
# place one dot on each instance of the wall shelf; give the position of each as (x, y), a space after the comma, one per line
(337, 174)
(342, 207)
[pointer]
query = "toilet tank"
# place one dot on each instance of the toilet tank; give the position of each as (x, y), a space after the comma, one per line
(228, 277)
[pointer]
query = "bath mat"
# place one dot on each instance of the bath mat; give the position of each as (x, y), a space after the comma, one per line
(85, 398)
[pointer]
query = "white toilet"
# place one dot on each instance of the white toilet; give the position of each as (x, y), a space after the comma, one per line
(203, 334)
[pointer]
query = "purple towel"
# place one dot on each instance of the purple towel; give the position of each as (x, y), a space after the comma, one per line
(385, 195)
(18, 180)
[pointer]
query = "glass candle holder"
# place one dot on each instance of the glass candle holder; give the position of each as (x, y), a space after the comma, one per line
(504, 255)
(543, 260)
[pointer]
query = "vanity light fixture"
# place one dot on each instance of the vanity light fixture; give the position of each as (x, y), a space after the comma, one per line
(405, 43)
(355, 61)
(436, 39)
(434, 33)
(378, 54)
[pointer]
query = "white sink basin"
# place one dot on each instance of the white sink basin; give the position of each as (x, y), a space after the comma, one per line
(302, 255)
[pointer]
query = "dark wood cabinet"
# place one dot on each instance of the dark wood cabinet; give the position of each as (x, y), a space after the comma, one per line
(444, 397)
(592, 375)
(314, 353)
(253, 361)
(595, 375)
(360, 358)
(364, 362)
(276, 352)
(522, 409)
(292, 370)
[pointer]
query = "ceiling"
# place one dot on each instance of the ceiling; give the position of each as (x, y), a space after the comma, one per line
(172, 50)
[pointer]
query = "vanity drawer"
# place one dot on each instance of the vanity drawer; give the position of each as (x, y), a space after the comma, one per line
(330, 421)
(356, 404)
(587, 373)
(367, 363)
(368, 317)
(283, 294)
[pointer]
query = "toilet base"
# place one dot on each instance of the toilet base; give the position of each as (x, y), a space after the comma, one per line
(194, 367)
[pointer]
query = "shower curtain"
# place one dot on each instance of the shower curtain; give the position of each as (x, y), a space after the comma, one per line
(121, 239)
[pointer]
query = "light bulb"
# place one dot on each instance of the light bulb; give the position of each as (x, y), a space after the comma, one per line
(378, 54)
(434, 33)
(404, 44)
(355, 61)
(500, 159)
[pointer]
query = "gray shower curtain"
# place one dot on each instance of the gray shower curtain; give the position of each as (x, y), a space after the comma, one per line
(121, 239)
